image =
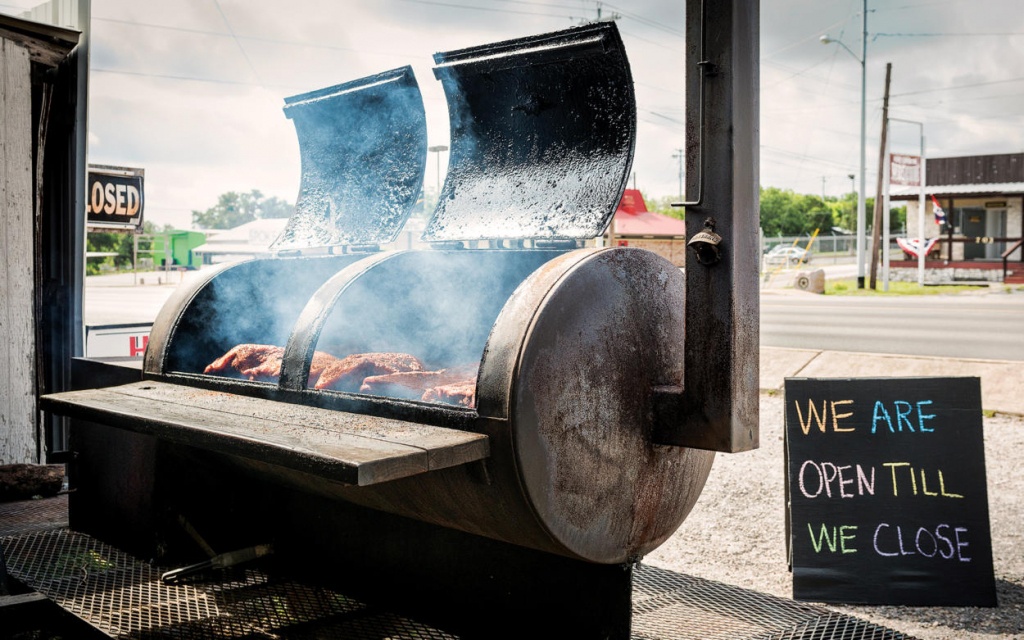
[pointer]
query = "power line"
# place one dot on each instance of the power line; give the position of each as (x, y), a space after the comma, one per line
(649, 22)
(221, 34)
(234, 37)
(947, 35)
(792, 154)
(479, 8)
(166, 76)
(954, 87)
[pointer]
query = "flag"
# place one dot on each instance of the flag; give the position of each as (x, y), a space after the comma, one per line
(940, 215)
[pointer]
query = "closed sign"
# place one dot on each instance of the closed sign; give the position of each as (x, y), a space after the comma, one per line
(114, 200)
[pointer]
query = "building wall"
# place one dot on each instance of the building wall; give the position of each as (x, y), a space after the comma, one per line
(673, 250)
(1014, 220)
(17, 336)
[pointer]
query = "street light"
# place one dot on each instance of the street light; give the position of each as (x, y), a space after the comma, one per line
(863, 137)
(438, 149)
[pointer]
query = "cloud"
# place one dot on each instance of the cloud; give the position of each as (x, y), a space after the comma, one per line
(192, 89)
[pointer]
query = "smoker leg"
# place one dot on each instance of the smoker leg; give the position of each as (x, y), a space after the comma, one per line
(468, 585)
(111, 478)
(463, 584)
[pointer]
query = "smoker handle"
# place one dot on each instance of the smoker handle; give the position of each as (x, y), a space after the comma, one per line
(222, 561)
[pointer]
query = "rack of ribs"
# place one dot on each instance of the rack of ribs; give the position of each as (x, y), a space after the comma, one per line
(394, 375)
(456, 385)
(262, 362)
(460, 393)
(348, 373)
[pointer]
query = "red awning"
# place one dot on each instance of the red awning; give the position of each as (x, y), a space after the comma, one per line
(632, 219)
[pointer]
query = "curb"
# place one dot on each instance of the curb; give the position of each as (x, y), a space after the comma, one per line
(1001, 380)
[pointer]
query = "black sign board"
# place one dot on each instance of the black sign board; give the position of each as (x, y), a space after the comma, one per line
(886, 492)
(115, 199)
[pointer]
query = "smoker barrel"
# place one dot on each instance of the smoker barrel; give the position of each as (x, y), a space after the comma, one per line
(566, 396)
(571, 352)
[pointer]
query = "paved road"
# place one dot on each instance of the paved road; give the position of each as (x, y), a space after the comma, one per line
(985, 326)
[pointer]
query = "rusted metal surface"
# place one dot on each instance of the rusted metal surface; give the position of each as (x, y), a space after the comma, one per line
(568, 384)
(542, 135)
(582, 408)
(722, 307)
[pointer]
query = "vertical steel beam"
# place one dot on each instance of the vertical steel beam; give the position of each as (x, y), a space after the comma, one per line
(720, 387)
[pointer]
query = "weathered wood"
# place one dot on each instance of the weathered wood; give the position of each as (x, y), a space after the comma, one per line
(16, 611)
(24, 481)
(44, 43)
(17, 337)
(341, 446)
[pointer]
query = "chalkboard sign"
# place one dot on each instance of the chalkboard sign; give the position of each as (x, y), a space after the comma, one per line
(886, 492)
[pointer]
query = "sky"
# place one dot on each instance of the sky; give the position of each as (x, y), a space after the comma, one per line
(192, 91)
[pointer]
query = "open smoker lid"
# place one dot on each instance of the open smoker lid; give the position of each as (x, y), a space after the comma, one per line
(542, 136)
(363, 147)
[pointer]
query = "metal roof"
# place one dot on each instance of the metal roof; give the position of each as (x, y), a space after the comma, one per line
(939, 191)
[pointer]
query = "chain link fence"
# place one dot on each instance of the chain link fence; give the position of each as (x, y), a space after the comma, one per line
(828, 248)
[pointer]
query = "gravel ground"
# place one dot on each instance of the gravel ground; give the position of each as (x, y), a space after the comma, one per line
(736, 534)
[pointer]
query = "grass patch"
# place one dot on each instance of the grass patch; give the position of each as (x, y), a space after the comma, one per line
(849, 288)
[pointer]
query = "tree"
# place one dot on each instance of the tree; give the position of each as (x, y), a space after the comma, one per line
(784, 212)
(233, 209)
(664, 206)
(274, 207)
(121, 243)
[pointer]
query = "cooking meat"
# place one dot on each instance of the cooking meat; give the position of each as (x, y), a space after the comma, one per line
(263, 362)
(412, 385)
(348, 373)
(244, 357)
(270, 369)
(460, 393)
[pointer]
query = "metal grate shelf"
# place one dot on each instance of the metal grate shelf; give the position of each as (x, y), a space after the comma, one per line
(125, 598)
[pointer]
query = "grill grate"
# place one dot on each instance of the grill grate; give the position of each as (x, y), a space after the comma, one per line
(23, 516)
(674, 606)
(835, 626)
(126, 599)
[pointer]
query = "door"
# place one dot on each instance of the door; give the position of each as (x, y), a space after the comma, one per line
(995, 227)
(972, 225)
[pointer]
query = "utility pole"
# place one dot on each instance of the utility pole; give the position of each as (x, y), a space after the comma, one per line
(600, 18)
(876, 229)
(681, 157)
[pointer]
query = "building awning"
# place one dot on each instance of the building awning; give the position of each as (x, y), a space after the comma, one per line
(991, 189)
(633, 220)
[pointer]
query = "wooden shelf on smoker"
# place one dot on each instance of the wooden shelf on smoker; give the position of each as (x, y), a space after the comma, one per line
(346, 447)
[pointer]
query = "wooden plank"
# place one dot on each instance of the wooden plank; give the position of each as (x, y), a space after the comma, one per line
(341, 446)
(17, 337)
(23, 611)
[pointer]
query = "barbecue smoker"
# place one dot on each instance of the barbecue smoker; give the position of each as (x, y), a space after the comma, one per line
(555, 441)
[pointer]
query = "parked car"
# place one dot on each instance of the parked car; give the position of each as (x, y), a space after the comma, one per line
(787, 255)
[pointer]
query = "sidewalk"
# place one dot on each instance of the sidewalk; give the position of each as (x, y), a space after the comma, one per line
(1002, 381)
